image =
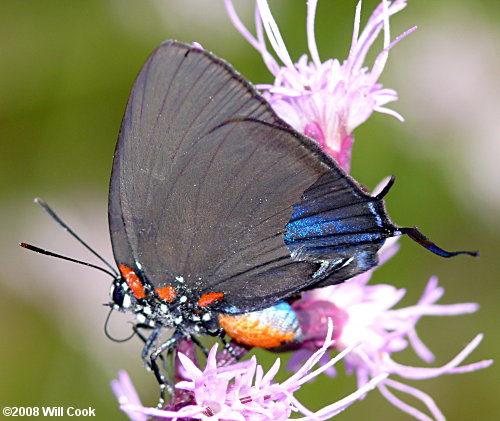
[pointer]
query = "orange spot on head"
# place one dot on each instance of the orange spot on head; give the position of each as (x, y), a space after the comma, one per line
(133, 281)
(252, 332)
(212, 297)
(167, 293)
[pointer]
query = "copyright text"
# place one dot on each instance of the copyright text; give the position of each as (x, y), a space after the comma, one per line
(47, 411)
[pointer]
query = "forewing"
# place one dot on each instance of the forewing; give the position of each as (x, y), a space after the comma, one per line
(206, 179)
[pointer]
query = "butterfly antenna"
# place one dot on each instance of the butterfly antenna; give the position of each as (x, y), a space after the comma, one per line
(59, 256)
(56, 218)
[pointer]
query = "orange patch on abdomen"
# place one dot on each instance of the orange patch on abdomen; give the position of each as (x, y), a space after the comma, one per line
(210, 298)
(248, 331)
(133, 281)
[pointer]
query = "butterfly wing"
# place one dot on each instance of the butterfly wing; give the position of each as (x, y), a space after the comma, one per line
(209, 184)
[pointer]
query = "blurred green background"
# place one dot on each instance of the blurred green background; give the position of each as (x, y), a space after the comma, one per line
(66, 69)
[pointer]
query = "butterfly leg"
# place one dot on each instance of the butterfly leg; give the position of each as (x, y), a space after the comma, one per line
(139, 333)
(144, 340)
(152, 353)
(232, 352)
(227, 346)
(148, 343)
(165, 385)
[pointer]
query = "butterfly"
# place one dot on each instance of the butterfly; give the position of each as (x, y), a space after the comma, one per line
(219, 211)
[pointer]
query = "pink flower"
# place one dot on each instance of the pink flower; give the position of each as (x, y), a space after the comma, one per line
(127, 396)
(326, 100)
(365, 316)
(242, 391)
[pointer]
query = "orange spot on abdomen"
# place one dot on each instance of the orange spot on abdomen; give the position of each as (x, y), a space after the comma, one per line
(167, 293)
(210, 298)
(252, 332)
(133, 281)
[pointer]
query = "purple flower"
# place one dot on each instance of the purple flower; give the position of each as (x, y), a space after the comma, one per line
(326, 100)
(127, 396)
(243, 391)
(364, 315)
